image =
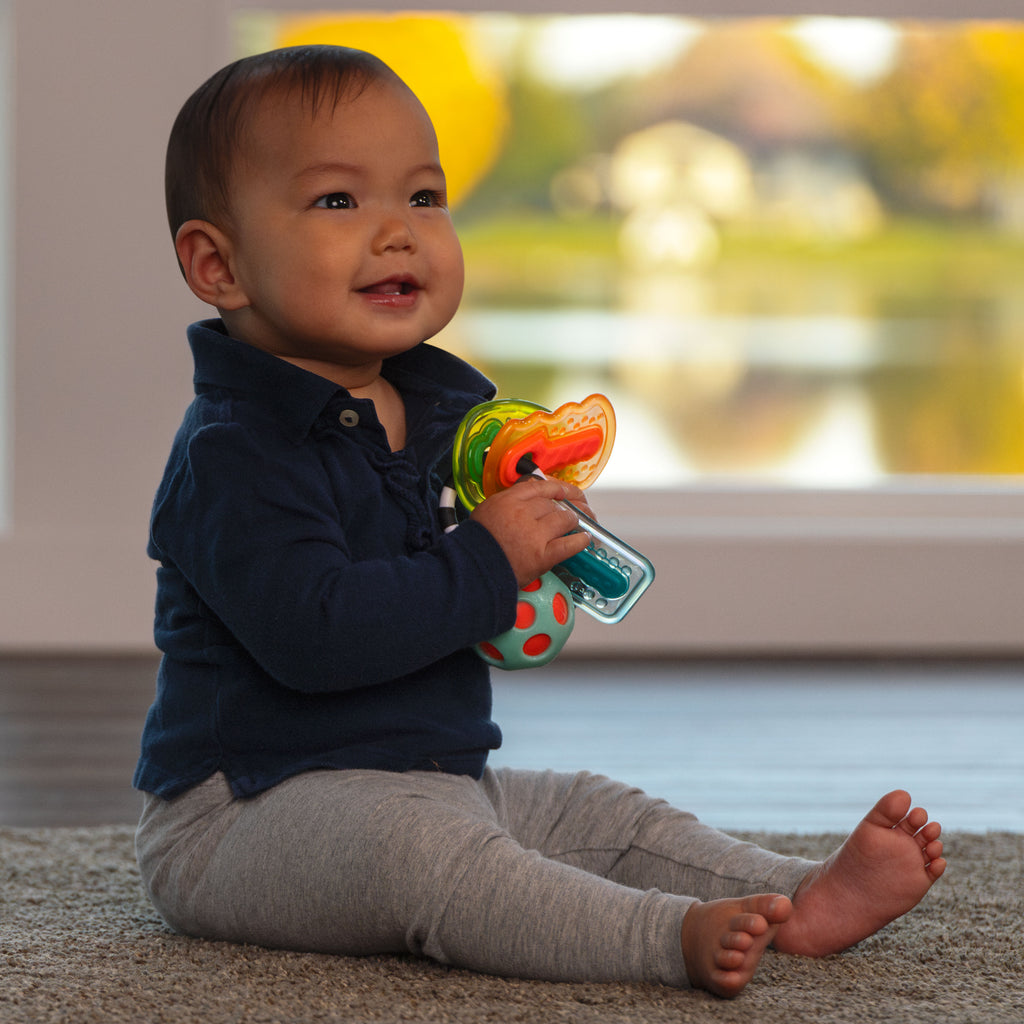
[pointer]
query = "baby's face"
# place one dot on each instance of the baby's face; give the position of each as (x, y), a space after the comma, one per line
(343, 245)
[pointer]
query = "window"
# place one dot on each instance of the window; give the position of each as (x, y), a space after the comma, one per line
(778, 513)
(912, 563)
(788, 250)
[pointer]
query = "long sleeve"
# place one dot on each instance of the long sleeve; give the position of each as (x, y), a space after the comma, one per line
(308, 567)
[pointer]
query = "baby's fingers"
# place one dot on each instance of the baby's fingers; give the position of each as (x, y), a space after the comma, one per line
(566, 546)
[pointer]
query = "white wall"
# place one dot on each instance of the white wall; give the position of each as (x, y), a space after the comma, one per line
(100, 374)
(96, 354)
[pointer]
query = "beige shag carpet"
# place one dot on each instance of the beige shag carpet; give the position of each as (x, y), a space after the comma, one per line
(79, 943)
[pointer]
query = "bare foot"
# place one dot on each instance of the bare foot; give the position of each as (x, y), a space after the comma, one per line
(884, 868)
(723, 940)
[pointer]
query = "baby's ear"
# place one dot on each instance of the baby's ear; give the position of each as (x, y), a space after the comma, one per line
(205, 255)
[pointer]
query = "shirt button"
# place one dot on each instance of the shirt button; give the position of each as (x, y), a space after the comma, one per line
(349, 418)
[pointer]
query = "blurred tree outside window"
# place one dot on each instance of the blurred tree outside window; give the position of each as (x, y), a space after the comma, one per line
(789, 251)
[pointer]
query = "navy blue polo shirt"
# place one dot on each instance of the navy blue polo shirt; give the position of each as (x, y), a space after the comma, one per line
(310, 611)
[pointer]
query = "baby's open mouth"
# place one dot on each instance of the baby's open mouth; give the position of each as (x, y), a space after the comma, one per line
(391, 287)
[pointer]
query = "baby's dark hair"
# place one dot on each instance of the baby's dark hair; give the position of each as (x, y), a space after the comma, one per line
(210, 126)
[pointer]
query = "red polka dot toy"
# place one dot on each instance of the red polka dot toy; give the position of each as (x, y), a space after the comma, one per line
(544, 619)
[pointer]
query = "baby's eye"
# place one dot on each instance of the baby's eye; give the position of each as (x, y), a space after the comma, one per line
(428, 197)
(336, 201)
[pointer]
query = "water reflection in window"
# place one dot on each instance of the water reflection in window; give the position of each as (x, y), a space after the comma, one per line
(786, 250)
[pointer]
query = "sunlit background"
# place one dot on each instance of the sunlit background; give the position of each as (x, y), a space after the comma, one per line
(788, 251)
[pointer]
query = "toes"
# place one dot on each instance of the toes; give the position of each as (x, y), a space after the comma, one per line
(729, 959)
(915, 820)
(723, 940)
(752, 924)
(741, 939)
(727, 984)
(772, 908)
(890, 810)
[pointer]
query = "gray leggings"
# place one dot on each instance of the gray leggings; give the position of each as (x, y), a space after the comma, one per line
(531, 874)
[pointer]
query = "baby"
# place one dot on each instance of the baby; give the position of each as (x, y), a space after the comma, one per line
(315, 760)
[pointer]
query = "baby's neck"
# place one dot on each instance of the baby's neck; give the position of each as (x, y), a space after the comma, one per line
(390, 409)
(365, 382)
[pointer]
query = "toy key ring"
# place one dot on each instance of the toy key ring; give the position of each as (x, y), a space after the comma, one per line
(473, 443)
(498, 443)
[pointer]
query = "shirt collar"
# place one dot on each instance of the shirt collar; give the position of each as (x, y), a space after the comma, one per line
(298, 398)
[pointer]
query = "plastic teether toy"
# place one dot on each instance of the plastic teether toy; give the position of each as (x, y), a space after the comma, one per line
(544, 619)
(501, 442)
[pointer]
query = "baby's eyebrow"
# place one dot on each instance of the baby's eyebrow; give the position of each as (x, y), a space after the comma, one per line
(355, 170)
(332, 167)
(429, 168)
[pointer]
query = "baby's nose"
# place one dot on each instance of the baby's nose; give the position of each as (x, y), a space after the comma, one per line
(394, 233)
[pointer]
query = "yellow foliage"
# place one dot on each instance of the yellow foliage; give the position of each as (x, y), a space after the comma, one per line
(948, 118)
(440, 59)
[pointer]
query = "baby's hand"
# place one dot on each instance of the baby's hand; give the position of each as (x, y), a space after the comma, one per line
(533, 531)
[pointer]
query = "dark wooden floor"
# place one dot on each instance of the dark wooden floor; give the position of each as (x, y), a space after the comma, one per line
(781, 746)
(69, 738)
